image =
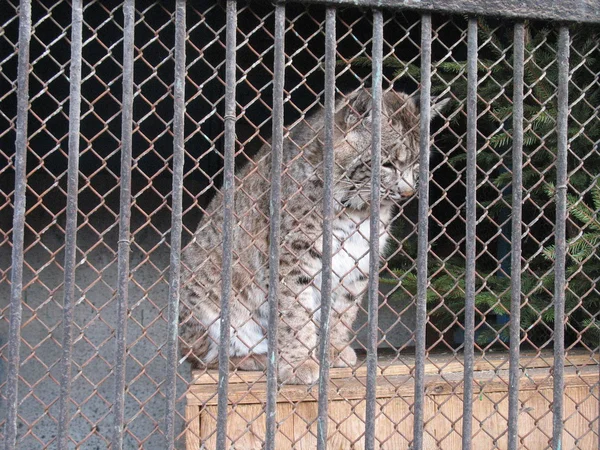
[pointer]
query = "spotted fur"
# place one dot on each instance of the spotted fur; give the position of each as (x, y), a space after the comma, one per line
(301, 247)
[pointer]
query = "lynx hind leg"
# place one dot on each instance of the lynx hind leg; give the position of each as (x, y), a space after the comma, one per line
(194, 344)
(297, 340)
(197, 347)
(252, 361)
(343, 316)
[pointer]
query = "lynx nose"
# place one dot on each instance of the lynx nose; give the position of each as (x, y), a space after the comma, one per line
(407, 193)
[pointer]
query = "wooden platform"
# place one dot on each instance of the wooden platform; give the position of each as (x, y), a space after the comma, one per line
(297, 405)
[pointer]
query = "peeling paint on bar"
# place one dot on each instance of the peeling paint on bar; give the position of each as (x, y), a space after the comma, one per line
(176, 219)
(64, 400)
(275, 225)
(373, 284)
(567, 10)
(228, 219)
(16, 277)
(560, 284)
(328, 214)
(515, 268)
(423, 229)
(124, 244)
(470, 252)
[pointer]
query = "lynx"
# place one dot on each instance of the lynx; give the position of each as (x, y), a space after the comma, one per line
(301, 247)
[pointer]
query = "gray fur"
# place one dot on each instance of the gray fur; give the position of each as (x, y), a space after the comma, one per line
(301, 247)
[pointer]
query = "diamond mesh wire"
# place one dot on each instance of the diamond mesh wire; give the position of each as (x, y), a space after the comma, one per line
(92, 390)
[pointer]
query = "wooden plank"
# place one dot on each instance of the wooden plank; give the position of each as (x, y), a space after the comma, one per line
(389, 386)
(393, 427)
(490, 414)
(305, 425)
(443, 422)
(192, 434)
(246, 427)
(582, 416)
(389, 365)
(297, 412)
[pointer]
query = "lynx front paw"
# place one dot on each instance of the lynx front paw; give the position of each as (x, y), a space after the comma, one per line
(345, 358)
(306, 372)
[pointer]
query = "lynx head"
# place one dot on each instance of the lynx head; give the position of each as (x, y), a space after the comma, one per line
(399, 146)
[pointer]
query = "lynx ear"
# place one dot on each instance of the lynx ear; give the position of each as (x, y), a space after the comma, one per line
(438, 105)
(357, 109)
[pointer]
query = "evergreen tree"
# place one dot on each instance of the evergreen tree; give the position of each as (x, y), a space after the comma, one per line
(446, 292)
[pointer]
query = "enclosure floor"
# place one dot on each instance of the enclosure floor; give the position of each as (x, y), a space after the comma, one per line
(444, 387)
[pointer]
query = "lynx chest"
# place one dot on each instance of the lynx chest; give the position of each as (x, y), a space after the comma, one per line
(351, 252)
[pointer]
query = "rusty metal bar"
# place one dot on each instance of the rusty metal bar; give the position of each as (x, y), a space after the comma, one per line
(515, 270)
(228, 218)
(275, 228)
(471, 213)
(570, 10)
(560, 236)
(17, 409)
(373, 284)
(176, 218)
(124, 245)
(16, 276)
(328, 214)
(423, 244)
(71, 225)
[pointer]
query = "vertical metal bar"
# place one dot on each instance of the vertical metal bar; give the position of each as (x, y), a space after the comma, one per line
(328, 165)
(517, 199)
(423, 244)
(228, 217)
(176, 218)
(16, 277)
(71, 225)
(467, 430)
(373, 284)
(560, 237)
(124, 223)
(274, 231)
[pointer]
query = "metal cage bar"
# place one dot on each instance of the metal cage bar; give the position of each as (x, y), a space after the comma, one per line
(560, 237)
(517, 199)
(124, 244)
(237, 74)
(328, 214)
(176, 218)
(16, 277)
(275, 225)
(423, 241)
(71, 226)
(373, 285)
(471, 225)
(228, 217)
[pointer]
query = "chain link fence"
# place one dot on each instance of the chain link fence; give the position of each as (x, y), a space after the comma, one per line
(104, 201)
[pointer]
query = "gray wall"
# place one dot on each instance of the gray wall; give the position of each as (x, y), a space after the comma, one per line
(92, 389)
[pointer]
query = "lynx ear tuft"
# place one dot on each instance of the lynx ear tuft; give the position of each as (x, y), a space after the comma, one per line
(439, 104)
(437, 107)
(358, 108)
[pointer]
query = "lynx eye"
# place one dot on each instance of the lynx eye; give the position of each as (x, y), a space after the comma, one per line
(389, 165)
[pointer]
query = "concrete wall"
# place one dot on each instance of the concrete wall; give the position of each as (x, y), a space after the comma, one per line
(92, 389)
